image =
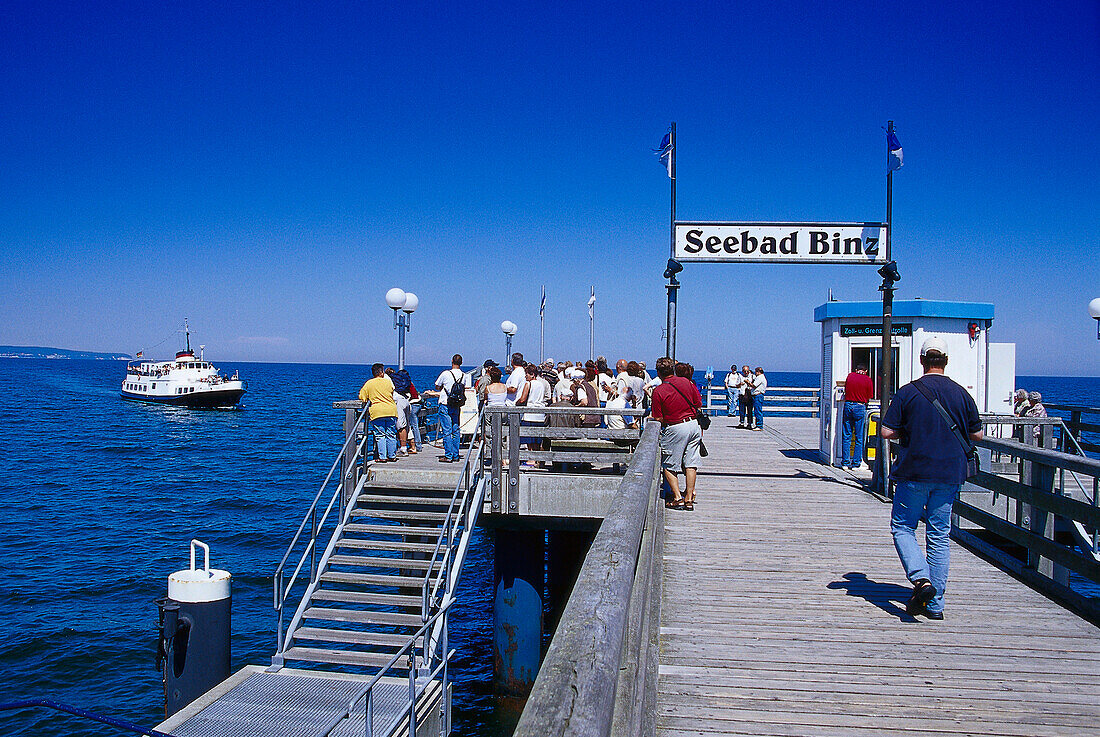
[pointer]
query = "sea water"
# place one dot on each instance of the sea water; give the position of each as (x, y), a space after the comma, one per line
(101, 497)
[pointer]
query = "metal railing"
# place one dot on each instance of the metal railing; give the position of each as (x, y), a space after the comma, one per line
(462, 514)
(437, 590)
(787, 400)
(1077, 426)
(316, 526)
(421, 673)
(504, 457)
(599, 676)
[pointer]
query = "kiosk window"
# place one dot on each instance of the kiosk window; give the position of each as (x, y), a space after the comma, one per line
(871, 358)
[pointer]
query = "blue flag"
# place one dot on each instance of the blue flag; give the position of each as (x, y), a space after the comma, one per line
(542, 307)
(894, 146)
(664, 153)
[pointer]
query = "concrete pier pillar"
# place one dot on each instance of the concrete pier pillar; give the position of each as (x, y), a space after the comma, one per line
(517, 610)
(567, 549)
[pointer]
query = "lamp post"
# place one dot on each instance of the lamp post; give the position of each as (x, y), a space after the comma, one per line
(509, 329)
(1094, 313)
(403, 305)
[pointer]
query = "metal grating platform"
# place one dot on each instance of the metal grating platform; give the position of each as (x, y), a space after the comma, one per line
(286, 705)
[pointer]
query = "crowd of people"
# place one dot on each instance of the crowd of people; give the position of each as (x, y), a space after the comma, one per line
(746, 389)
(671, 398)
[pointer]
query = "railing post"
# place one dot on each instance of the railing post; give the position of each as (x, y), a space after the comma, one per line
(495, 458)
(513, 463)
(412, 694)
(348, 475)
(1041, 522)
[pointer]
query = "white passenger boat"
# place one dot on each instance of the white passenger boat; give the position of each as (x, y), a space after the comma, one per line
(187, 382)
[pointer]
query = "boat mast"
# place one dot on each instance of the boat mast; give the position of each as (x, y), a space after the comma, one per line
(187, 333)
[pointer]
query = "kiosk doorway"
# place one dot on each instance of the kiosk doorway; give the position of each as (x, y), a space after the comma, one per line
(872, 358)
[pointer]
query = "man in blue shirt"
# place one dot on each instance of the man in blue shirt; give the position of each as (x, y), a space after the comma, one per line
(931, 469)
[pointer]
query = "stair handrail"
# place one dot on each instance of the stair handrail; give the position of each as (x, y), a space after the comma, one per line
(464, 488)
(417, 675)
(280, 592)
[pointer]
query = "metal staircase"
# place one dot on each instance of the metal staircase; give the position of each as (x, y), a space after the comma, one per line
(393, 558)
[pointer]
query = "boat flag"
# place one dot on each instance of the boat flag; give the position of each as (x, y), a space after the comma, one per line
(139, 354)
(542, 306)
(664, 153)
(591, 302)
(894, 146)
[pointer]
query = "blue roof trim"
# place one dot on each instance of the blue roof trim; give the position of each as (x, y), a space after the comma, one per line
(906, 308)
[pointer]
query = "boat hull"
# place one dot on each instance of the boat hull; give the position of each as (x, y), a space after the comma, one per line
(196, 400)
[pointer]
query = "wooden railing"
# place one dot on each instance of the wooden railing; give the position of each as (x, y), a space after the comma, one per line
(505, 455)
(1051, 516)
(599, 677)
(785, 400)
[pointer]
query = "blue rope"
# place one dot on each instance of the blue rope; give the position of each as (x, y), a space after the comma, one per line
(120, 723)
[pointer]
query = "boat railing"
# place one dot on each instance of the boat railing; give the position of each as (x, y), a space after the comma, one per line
(313, 524)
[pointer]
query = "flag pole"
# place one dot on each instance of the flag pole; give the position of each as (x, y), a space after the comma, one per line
(592, 326)
(886, 365)
(542, 324)
(673, 284)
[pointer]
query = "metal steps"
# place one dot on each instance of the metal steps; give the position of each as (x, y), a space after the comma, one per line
(339, 657)
(363, 617)
(386, 563)
(368, 544)
(392, 529)
(368, 599)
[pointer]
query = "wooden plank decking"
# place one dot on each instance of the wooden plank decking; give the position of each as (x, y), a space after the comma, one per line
(783, 614)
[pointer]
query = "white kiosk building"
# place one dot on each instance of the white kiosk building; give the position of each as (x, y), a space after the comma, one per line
(851, 334)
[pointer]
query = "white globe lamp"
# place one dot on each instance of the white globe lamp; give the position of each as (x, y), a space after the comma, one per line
(411, 303)
(1094, 313)
(509, 329)
(395, 298)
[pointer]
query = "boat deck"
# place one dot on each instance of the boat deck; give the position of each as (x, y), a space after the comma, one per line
(783, 613)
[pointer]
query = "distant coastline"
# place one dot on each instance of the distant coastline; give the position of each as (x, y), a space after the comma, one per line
(35, 351)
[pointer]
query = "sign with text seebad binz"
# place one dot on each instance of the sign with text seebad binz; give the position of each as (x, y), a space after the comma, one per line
(794, 243)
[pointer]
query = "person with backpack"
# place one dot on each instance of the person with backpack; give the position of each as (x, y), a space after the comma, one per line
(451, 390)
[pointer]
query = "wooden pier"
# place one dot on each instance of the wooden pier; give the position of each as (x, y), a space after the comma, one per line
(783, 613)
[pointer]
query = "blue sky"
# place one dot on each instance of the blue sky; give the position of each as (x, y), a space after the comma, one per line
(269, 171)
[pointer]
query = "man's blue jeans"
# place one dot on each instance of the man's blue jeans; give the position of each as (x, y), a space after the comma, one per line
(450, 430)
(758, 409)
(932, 501)
(855, 419)
(384, 430)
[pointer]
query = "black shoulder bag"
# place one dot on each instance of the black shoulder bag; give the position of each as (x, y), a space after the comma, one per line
(973, 464)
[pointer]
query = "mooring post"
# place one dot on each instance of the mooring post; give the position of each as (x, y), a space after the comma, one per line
(517, 610)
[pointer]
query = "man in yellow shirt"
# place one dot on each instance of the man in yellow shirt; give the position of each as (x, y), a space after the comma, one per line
(383, 413)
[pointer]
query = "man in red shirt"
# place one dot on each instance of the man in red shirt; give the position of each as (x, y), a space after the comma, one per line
(858, 390)
(674, 405)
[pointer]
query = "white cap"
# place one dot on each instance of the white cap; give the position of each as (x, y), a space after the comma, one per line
(934, 344)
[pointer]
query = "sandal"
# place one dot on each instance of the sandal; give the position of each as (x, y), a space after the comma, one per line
(689, 505)
(676, 504)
